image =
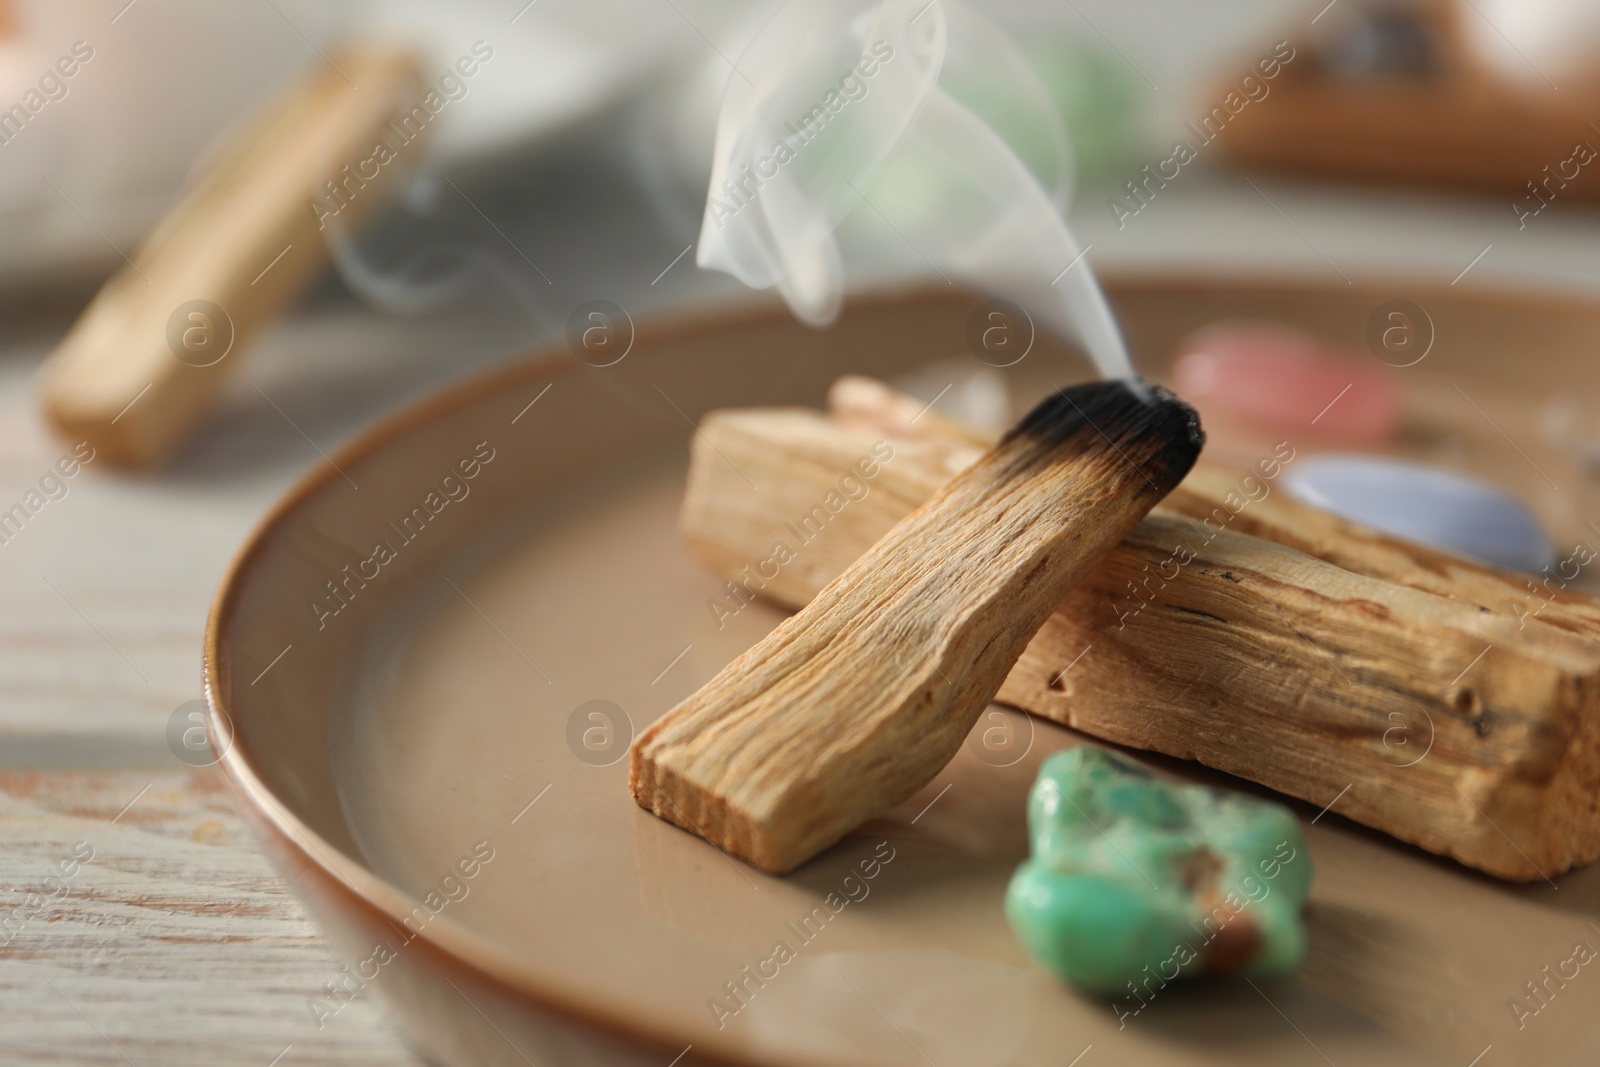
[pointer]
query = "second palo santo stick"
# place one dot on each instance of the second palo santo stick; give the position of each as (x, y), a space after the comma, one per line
(1224, 498)
(1251, 657)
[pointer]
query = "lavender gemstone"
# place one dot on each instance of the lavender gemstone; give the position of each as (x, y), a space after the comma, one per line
(1440, 508)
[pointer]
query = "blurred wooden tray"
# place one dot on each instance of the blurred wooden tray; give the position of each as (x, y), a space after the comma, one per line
(1460, 126)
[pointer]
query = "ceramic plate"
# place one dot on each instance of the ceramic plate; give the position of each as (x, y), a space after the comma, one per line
(426, 667)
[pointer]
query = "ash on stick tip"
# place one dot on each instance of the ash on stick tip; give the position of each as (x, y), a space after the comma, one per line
(1147, 423)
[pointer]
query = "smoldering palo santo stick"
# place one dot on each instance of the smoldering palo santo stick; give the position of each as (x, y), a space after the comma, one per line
(856, 702)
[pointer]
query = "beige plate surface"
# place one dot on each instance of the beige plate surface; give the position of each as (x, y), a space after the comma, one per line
(410, 725)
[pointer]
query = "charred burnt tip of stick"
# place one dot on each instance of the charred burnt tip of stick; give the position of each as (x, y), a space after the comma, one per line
(1147, 425)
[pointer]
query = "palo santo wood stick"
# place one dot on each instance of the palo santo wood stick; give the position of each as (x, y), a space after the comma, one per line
(141, 365)
(859, 700)
(1448, 724)
(1205, 494)
(855, 399)
(1364, 550)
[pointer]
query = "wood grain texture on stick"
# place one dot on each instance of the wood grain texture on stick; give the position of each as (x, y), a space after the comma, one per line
(1456, 725)
(141, 365)
(859, 700)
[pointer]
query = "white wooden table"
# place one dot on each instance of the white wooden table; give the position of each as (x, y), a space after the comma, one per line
(173, 943)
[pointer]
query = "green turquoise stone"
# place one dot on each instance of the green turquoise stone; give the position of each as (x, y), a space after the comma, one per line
(1135, 882)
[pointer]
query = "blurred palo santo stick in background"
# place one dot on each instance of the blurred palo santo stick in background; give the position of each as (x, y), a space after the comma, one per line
(140, 367)
(859, 700)
(1449, 720)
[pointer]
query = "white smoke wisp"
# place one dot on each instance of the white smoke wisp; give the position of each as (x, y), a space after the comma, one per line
(930, 114)
(448, 265)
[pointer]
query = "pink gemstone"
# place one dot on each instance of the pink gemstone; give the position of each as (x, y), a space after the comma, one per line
(1281, 378)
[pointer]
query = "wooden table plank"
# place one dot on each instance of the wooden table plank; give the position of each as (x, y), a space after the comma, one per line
(175, 943)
